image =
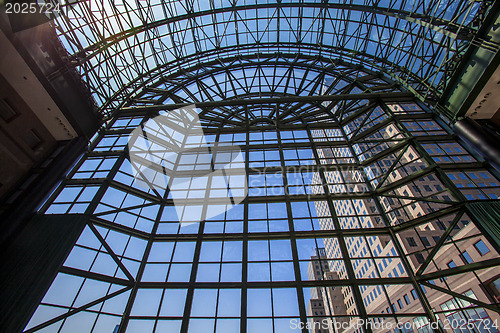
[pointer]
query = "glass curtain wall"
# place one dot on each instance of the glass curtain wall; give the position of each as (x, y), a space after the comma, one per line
(355, 213)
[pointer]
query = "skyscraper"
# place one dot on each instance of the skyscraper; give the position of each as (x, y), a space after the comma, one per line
(376, 298)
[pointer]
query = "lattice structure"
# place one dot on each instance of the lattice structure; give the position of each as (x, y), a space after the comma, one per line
(121, 46)
(353, 184)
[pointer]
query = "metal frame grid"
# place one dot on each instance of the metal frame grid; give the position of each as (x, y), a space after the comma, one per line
(118, 46)
(337, 157)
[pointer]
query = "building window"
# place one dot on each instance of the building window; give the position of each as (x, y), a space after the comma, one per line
(32, 139)
(414, 294)
(420, 258)
(493, 286)
(407, 299)
(411, 241)
(466, 257)
(7, 112)
(481, 247)
(451, 264)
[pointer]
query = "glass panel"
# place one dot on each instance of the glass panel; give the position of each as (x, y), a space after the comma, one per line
(353, 210)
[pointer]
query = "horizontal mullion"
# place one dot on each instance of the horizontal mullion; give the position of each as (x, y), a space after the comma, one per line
(385, 96)
(278, 284)
(276, 235)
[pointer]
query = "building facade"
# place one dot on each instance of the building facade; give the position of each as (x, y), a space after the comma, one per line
(415, 243)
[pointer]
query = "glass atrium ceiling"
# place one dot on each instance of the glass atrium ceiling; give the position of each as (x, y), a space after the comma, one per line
(360, 203)
(121, 46)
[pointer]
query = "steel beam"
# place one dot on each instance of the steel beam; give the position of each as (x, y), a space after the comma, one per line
(383, 96)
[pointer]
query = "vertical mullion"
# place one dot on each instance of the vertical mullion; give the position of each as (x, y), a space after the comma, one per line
(244, 257)
(293, 240)
(352, 281)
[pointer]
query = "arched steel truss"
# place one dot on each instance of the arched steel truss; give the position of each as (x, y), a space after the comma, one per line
(419, 43)
(232, 83)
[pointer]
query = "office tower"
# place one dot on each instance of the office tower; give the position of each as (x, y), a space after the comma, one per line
(341, 125)
(412, 242)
